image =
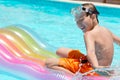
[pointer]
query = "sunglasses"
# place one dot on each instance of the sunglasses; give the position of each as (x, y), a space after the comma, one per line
(78, 10)
(89, 11)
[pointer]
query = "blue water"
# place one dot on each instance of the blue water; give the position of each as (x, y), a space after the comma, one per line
(54, 22)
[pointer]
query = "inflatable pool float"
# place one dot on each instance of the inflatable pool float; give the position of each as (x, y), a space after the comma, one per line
(22, 56)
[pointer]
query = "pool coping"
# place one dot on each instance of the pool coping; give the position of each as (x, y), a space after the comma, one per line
(96, 3)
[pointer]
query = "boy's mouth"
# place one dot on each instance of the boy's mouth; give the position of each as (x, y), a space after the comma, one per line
(82, 27)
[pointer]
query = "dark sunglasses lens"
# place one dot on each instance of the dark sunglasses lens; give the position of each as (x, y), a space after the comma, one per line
(83, 8)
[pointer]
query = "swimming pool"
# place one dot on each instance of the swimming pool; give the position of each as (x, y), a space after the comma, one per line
(54, 23)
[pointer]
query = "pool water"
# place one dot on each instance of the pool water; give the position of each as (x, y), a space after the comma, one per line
(54, 23)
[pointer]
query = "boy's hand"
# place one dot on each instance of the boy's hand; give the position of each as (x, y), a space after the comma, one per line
(98, 67)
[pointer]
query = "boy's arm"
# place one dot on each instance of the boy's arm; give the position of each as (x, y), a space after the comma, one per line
(116, 39)
(90, 47)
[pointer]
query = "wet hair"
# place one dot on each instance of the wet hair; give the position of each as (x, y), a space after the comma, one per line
(92, 10)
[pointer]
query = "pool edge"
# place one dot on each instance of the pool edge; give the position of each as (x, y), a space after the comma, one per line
(96, 3)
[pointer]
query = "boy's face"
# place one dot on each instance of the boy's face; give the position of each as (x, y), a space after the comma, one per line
(83, 20)
(81, 23)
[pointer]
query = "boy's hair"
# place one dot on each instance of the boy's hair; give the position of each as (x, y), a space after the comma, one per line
(92, 8)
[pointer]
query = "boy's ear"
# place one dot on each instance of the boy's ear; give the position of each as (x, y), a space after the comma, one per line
(93, 16)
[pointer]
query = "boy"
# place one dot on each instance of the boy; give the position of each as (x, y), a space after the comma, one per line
(98, 41)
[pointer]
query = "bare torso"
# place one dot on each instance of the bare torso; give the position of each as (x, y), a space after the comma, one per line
(103, 46)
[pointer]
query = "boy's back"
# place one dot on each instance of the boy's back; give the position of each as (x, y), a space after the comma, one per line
(103, 44)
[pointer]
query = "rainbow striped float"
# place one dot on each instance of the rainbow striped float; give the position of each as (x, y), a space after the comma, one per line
(22, 56)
